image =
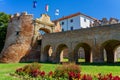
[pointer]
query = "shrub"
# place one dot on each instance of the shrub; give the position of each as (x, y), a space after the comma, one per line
(20, 71)
(62, 72)
(28, 69)
(31, 67)
(67, 71)
(37, 73)
(107, 77)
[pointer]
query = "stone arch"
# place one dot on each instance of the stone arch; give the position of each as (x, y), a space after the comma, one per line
(47, 53)
(87, 52)
(110, 46)
(45, 30)
(37, 38)
(40, 30)
(60, 52)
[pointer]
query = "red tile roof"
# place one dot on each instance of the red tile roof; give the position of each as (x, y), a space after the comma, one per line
(73, 15)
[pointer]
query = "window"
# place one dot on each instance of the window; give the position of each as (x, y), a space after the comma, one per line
(71, 28)
(71, 20)
(90, 21)
(17, 33)
(62, 23)
(84, 20)
(62, 30)
(87, 27)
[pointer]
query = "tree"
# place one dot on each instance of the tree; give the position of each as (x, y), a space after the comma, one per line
(4, 18)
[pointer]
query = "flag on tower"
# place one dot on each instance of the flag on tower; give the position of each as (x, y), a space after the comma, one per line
(34, 4)
(57, 12)
(47, 8)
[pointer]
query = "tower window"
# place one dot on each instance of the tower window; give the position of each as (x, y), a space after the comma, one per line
(71, 20)
(17, 33)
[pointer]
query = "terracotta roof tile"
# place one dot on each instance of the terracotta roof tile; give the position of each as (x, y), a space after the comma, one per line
(73, 15)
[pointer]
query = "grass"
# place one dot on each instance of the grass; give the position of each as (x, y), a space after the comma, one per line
(79, 60)
(104, 69)
(87, 68)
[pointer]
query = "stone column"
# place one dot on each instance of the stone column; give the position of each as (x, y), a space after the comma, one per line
(54, 57)
(71, 55)
(44, 57)
(97, 53)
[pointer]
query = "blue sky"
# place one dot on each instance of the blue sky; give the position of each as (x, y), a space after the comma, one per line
(95, 8)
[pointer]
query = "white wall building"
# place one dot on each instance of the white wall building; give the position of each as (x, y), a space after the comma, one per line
(75, 21)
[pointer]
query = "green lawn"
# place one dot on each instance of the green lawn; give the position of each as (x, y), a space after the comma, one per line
(79, 60)
(87, 68)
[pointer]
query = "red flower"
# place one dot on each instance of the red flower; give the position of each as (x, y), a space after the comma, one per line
(78, 75)
(87, 77)
(71, 74)
(116, 78)
(110, 76)
(50, 73)
(42, 74)
(35, 73)
(84, 77)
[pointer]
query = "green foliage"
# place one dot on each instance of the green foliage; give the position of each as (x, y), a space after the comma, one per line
(4, 18)
(27, 69)
(62, 71)
(87, 68)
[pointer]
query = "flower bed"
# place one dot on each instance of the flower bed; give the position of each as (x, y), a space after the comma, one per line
(62, 72)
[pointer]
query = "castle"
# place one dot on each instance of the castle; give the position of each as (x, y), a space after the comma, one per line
(24, 42)
(23, 36)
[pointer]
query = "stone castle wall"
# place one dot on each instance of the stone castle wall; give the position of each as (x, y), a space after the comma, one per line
(22, 42)
(107, 36)
(18, 39)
